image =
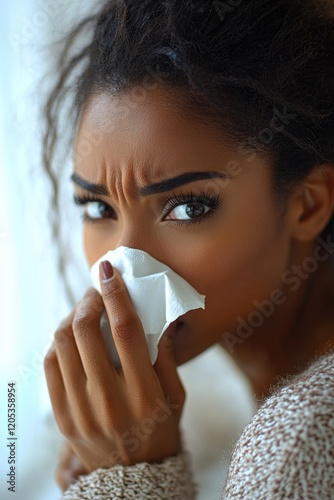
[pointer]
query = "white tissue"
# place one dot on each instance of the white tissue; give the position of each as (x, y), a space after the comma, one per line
(158, 294)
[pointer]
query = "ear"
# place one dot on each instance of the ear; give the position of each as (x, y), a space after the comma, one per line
(312, 203)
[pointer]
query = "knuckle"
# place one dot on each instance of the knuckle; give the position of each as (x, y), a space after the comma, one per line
(125, 328)
(114, 292)
(89, 307)
(81, 322)
(62, 336)
(91, 292)
(97, 305)
(48, 361)
(92, 299)
(104, 396)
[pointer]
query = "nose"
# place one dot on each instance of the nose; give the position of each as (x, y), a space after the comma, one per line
(135, 236)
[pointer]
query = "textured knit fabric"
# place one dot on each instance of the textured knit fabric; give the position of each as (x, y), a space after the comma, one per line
(170, 479)
(285, 452)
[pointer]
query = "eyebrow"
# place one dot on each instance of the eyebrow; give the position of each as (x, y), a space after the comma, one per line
(158, 187)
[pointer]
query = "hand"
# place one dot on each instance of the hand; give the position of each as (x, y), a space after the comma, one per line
(69, 467)
(113, 415)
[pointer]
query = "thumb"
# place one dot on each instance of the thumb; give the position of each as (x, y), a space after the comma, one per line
(166, 369)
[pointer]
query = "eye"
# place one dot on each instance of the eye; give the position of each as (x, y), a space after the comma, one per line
(184, 208)
(191, 208)
(95, 210)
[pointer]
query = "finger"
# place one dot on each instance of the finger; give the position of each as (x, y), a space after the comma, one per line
(69, 360)
(166, 369)
(70, 461)
(62, 474)
(55, 383)
(69, 467)
(63, 478)
(127, 331)
(88, 338)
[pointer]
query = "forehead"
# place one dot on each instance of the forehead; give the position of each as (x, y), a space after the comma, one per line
(149, 136)
(154, 108)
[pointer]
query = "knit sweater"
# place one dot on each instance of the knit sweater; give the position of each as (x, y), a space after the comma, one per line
(285, 452)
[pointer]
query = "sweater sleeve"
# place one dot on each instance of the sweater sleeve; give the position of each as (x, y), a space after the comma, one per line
(287, 449)
(171, 479)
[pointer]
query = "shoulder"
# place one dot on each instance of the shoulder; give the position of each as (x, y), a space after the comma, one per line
(287, 448)
(313, 387)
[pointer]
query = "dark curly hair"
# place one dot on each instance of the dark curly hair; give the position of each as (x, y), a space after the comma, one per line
(241, 64)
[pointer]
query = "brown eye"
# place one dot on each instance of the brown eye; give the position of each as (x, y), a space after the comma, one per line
(188, 211)
(94, 209)
(97, 210)
(190, 208)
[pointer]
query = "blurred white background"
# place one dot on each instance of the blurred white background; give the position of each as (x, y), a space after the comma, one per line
(32, 298)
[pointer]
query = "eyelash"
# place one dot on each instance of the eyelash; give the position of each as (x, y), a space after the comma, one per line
(211, 201)
(83, 200)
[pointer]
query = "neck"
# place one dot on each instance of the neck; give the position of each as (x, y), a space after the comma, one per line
(299, 330)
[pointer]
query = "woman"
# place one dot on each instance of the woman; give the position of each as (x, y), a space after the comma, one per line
(219, 113)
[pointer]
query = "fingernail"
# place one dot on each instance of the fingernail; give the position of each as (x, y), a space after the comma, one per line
(106, 270)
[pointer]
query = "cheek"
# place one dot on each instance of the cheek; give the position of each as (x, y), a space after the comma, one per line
(94, 245)
(87, 246)
(235, 271)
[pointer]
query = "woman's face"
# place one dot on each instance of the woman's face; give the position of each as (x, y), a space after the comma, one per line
(233, 249)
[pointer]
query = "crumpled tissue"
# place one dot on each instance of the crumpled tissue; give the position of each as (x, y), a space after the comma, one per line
(158, 294)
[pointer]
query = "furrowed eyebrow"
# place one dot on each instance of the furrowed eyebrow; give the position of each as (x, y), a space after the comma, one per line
(89, 186)
(180, 180)
(158, 187)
